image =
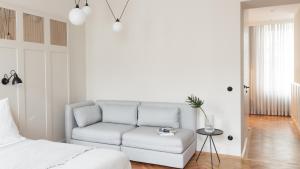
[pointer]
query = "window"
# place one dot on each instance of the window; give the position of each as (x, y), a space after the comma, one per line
(7, 24)
(58, 32)
(33, 28)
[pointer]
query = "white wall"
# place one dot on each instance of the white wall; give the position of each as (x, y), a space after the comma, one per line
(168, 50)
(295, 102)
(246, 81)
(297, 48)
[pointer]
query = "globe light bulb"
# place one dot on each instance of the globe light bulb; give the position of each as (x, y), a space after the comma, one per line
(117, 26)
(77, 16)
(87, 9)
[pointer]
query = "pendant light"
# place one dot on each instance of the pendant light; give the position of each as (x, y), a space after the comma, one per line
(77, 16)
(87, 9)
(117, 26)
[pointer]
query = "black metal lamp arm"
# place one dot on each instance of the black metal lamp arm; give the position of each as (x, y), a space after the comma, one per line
(16, 80)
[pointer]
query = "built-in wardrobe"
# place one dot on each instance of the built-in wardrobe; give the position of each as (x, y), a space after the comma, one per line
(35, 45)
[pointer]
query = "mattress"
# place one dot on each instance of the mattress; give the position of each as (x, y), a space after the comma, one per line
(42, 154)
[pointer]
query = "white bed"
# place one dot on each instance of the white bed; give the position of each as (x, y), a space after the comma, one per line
(42, 154)
(17, 152)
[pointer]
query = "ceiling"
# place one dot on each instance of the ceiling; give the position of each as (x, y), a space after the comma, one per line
(57, 8)
(246, 4)
(271, 14)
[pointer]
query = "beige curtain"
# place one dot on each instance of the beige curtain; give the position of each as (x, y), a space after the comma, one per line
(271, 76)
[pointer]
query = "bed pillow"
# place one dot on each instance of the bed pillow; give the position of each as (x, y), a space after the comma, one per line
(9, 132)
(119, 113)
(87, 115)
(158, 116)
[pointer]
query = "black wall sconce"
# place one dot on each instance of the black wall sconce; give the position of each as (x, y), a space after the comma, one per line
(16, 79)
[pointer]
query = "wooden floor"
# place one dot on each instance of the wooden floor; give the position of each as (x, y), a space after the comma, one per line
(274, 143)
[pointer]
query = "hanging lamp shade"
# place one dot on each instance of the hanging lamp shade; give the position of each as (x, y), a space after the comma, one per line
(77, 16)
(117, 26)
(16, 80)
(87, 9)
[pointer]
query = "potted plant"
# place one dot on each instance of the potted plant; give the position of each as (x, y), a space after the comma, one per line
(196, 103)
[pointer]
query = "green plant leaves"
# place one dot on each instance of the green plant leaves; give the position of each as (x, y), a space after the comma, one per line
(194, 101)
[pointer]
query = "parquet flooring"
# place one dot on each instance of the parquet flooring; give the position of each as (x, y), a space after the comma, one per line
(274, 143)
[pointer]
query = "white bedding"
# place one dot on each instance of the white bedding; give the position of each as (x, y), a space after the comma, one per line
(41, 154)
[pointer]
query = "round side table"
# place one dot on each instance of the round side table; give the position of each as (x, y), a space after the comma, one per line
(211, 140)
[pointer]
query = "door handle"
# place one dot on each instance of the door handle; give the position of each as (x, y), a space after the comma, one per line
(246, 87)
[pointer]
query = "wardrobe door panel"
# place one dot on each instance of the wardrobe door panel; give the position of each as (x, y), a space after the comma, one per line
(35, 94)
(59, 93)
(9, 55)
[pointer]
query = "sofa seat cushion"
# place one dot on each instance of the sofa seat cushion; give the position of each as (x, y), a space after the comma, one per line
(148, 138)
(105, 133)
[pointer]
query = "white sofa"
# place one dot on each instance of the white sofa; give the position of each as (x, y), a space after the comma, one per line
(131, 127)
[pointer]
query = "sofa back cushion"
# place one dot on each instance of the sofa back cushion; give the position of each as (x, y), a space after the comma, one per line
(158, 116)
(87, 115)
(119, 113)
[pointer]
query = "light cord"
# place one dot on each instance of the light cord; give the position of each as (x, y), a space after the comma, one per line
(112, 12)
(124, 9)
(77, 2)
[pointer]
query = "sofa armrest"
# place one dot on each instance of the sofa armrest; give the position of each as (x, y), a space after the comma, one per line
(70, 122)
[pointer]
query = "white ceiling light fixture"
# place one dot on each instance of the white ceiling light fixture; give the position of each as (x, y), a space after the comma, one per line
(78, 16)
(117, 26)
(86, 8)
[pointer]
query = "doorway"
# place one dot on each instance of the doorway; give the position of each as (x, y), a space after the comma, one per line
(271, 104)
